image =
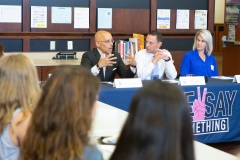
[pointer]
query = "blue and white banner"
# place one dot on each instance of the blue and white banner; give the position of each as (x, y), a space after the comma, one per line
(215, 109)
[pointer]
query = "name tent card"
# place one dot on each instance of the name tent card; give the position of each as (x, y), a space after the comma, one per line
(188, 81)
(236, 78)
(128, 83)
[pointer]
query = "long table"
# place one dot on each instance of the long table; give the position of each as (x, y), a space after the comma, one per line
(221, 122)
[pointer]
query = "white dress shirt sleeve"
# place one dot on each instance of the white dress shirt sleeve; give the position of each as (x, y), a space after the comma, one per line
(170, 69)
(95, 70)
(144, 65)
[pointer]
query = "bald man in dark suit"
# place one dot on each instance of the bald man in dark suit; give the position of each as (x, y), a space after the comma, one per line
(103, 61)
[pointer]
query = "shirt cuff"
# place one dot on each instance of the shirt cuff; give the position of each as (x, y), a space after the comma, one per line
(95, 70)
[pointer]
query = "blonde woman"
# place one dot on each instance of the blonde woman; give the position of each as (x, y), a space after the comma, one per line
(200, 61)
(19, 94)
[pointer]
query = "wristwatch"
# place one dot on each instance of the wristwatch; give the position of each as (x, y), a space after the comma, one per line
(168, 59)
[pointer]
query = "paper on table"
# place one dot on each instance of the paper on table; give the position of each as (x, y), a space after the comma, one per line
(170, 80)
(127, 83)
(110, 140)
(196, 80)
(222, 77)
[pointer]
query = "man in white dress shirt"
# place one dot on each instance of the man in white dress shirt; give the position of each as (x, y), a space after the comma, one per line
(153, 59)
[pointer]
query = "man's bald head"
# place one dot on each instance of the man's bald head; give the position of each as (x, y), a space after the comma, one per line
(104, 41)
(101, 35)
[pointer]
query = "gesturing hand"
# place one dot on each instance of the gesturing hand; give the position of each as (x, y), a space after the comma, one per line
(199, 108)
(130, 61)
(109, 60)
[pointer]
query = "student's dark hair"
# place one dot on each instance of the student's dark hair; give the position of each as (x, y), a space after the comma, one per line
(158, 126)
(159, 36)
(62, 119)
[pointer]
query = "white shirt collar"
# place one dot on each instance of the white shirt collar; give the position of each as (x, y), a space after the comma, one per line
(101, 53)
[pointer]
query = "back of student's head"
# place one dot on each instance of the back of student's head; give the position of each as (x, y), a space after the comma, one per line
(18, 85)
(62, 118)
(158, 126)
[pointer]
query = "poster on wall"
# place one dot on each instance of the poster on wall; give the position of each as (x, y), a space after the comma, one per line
(182, 21)
(163, 19)
(104, 19)
(231, 32)
(200, 21)
(7, 16)
(38, 16)
(232, 12)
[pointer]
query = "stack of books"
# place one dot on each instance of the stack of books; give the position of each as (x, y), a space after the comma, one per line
(130, 46)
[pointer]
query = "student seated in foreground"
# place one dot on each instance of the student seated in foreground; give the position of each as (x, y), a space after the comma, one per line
(200, 61)
(19, 94)
(158, 126)
(63, 116)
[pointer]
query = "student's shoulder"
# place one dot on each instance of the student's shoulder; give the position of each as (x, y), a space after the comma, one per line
(92, 153)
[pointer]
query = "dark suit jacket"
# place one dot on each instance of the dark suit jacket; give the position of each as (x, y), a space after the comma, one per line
(91, 58)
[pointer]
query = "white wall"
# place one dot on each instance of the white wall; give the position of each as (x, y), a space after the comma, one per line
(219, 11)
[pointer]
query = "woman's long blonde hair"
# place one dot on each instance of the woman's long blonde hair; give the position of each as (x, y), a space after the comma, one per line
(18, 85)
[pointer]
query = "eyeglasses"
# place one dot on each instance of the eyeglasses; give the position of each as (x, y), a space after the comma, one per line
(107, 41)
